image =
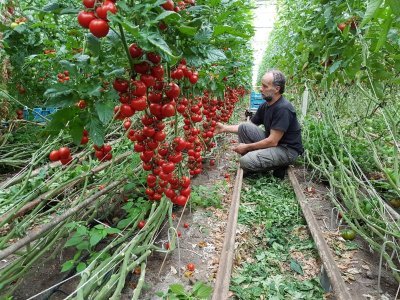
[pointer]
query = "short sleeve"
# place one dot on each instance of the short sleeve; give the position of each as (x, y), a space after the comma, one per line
(281, 120)
(258, 117)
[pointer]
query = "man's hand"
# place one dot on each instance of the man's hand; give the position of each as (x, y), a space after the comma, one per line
(219, 128)
(241, 149)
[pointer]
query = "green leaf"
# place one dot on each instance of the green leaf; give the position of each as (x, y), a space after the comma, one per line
(372, 8)
(125, 222)
(76, 130)
(116, 72)
(294, 265)
(160, 43)
(69, 11)
(68, 265)
(83, 246)
(51, 7)
(222, 29)
(168, 16)
(335, 66)
(96, 131)
(131, 28)
(58, 91)
(384, 30)
(214, 55)
(191, 31)
(395, 5)
(75, 240)
(111, 230)
(80, 267)
(177, 289)
(60, 118)
(95, 237)
(203, 292)
(105, 111)
(94, 44)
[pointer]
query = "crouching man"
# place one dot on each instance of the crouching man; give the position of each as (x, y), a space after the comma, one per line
(280, 143)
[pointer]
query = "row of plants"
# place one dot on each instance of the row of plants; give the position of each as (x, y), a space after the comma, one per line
(342, 66)
(157, 76)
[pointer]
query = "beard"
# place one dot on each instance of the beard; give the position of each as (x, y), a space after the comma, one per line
(267, 98)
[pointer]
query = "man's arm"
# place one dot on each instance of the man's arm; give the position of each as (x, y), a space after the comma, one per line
(271, 141)
(220, 128)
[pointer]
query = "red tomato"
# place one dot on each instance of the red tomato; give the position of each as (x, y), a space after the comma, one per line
(85, 18)
(84, 140)
(141, 224)
(154, 58)
(168, 167)
(176, 157)
(168, 110)
(193, 79)
(160, 136)
(149, 131)
(66, 161)
(186, 192)
(138, 147)
(168, 5)
(190, 267)
(148, 80)
(155, 97)
(126, 111)
(138, 88)
(121, 85)
(81, 104)
(127, 124)
(186, 225)
(142, 68)
(107, 148)
(170, 193)
(107, 6)
(139, 104)
(172, 91)
(158, 72)
(99, 28)
(54, 155)
(177, 74)
(88, 3)
(155, 109)
(135, 51)
(64, 152)
(180, 200)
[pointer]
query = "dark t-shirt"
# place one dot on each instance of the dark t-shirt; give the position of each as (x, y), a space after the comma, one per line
(280, 116)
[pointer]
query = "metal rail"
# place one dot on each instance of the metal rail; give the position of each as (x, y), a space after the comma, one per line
(221, 288)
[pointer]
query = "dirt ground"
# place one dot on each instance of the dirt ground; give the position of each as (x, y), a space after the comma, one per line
(359, 267)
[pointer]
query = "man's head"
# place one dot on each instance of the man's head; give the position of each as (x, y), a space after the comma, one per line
(272, 85)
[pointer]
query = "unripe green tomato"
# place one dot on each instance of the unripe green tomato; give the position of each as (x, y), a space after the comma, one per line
(13, 25)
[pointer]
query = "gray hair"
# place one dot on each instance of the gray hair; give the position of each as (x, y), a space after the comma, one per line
(278, 79)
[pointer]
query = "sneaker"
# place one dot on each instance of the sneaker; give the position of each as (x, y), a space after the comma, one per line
(280, 172)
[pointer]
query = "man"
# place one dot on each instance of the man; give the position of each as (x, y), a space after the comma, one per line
(280, 143)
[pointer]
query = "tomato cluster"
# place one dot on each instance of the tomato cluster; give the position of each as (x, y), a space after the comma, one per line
(62, 77)
(85, 136)
(95, 16)
(165, 156)
(63, 154)
(181, 5)
(103, 152)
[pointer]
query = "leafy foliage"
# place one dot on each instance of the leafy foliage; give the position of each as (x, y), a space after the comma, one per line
(272, 206)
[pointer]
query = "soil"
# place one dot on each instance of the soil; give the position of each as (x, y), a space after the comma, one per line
(359, 265)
